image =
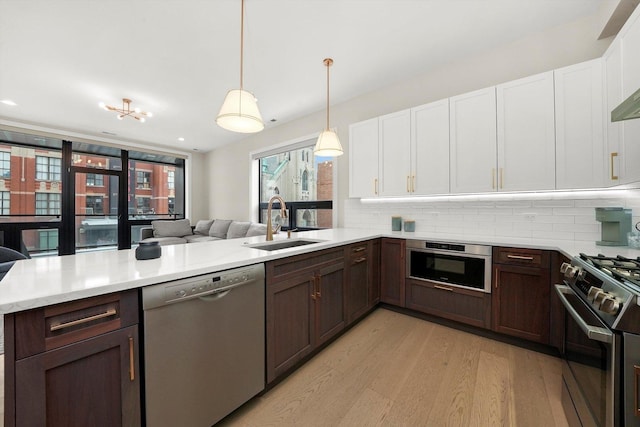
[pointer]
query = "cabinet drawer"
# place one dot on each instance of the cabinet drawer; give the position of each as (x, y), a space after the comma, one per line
(461, 305)
(519, 256)
(286, 268)
(58, 325)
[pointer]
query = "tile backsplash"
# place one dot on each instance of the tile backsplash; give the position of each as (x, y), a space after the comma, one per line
(560, 216)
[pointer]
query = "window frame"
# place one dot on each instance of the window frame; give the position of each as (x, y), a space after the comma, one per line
(49, 173)
(5, 164)
(93, 181)
(49, 201)
(292, 206)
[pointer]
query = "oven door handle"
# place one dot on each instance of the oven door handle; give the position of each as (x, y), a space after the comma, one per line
(593, 332)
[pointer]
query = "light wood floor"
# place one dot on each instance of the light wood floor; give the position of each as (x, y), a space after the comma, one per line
(395, 370)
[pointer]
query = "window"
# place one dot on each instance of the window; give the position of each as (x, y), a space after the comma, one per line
(143, 205)
(94, 205)
(5, 203)
(94, 180)
(143, 179)
(47, 203)
(5, 164)
(48, 168)
(47, 240)
(171, 180)
(304, 181)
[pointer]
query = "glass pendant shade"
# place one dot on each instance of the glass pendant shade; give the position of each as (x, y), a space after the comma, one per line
(239, 112)
(328, 144)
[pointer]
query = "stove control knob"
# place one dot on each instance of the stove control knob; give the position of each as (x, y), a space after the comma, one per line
(594, 292)
(610, 306)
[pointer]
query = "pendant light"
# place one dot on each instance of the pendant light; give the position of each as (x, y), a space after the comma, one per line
(239, 111)
(328, 144)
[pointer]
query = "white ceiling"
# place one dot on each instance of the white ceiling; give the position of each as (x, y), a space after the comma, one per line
(178, 58)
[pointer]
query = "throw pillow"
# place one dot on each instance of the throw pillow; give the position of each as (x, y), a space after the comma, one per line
(203, 226)
(238, 229)
(257, 230)
(219, 228)
(178, 228)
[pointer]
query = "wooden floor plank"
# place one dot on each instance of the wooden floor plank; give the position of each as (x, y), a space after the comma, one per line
(492, 397)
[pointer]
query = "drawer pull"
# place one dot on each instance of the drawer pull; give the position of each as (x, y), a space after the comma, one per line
(108, 313)
(444, 288)
(360, 249)
(359, 260)
(312, 282)
(520, 257)
(132, 365)
(613, 177)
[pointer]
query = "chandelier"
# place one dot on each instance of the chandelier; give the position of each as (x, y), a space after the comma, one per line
(126, 111)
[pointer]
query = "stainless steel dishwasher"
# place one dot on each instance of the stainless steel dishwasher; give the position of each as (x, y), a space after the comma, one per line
(204, 348)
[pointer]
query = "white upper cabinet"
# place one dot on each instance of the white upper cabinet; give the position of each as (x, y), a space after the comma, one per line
(430, 148)
(395, 154)
(612, 63)
(580, 148)
(525, 129)
(630, 152)
(363, 159)
(473, 141)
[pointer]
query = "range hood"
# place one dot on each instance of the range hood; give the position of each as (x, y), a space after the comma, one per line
(629, 109)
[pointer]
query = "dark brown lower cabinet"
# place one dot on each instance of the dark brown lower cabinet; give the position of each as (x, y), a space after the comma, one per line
(461, 305)
(374, 266)
(74, 364)
(521, 293)
(89, 383)
(392, 271)
(358, 257)
(305, 306)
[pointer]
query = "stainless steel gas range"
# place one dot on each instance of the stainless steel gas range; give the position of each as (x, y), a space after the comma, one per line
(601, 345)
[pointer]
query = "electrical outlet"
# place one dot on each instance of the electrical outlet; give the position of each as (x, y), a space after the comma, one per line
(530, 217)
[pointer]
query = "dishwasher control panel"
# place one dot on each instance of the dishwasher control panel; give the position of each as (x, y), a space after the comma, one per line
(200, 286)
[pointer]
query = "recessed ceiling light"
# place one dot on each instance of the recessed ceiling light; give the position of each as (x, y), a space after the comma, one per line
(181, 139)
(8, 102)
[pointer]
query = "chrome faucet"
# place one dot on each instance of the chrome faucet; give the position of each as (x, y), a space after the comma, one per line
(283, 211)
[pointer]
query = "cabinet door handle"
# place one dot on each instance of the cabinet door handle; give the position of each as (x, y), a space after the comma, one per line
(501, 176)
(444, 288)
(413, 184)
(359, 260)
(319, 282)
(496, 282)
(108, 313)
(636, 376)
(521, 257)
(312, 282)
(613, 177)
(408, 183)
(493, 178)
(132, 364)
(375, 186)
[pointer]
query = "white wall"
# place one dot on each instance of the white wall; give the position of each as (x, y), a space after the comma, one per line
(228, 166)
(197, 188)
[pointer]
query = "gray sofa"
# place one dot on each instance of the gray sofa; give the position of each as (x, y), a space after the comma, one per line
(181, 231)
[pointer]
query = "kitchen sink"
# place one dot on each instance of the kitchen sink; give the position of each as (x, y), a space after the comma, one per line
(283, 244)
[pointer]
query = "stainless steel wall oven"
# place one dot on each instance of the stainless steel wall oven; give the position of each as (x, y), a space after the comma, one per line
(453, 264)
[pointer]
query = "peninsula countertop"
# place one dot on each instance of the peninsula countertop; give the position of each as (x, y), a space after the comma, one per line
(43, 281)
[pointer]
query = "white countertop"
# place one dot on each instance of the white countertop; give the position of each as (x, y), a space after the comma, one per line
(44, 281)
